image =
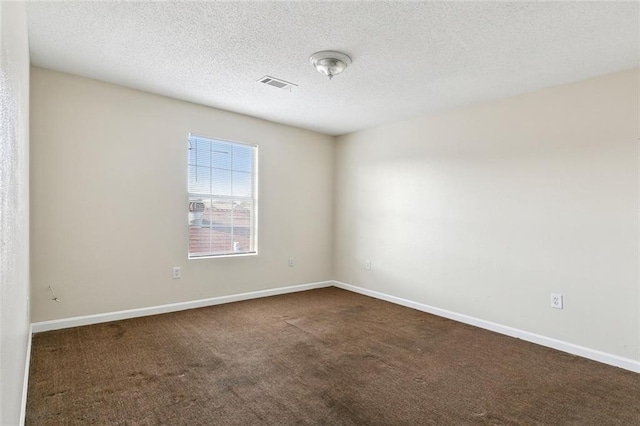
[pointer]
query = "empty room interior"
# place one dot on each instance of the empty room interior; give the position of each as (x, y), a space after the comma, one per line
(319, 213)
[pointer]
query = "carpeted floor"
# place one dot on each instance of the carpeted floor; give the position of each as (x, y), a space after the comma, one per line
(320, 357)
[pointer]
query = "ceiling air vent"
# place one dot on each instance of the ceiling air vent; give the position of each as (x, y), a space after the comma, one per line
(276, 82)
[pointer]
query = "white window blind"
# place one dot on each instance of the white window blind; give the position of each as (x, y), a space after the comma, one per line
(222, 197)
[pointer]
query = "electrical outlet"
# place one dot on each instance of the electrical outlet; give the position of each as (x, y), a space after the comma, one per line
(177, 272)
(556, 301)
(291, 262)
(367, 265)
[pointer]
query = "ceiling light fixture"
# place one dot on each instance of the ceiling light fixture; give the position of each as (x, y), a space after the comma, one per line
(329, 62)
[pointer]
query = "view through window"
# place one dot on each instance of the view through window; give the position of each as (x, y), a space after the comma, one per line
(222, 197)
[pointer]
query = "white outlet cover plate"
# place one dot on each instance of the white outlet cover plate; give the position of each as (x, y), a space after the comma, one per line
(556, 301)
(176, 272)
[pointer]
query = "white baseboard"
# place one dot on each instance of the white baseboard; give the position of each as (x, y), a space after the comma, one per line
(593, 354)
(25, 383)
(58, 324)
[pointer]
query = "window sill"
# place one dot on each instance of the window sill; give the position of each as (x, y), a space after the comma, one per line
(223, 256)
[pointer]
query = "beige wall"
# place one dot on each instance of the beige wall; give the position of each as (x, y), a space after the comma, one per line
(487, 210)
(108, 194)
(14, 207)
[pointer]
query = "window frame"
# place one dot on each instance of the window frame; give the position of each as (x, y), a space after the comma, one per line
(254, 199)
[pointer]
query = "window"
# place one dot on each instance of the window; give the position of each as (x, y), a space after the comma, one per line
(222, 198)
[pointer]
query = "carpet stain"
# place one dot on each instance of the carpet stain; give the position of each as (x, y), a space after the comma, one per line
(55, 394)
(117, 329)
(229, 383)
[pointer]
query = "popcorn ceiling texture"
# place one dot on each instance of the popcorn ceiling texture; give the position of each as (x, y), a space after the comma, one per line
(409, 58)
(14, 205)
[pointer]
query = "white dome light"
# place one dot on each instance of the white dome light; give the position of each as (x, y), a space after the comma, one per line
(329, 62)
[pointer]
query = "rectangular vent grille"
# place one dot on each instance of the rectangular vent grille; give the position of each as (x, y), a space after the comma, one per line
(276, 82)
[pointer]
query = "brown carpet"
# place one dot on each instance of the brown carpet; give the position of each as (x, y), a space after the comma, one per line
(320, 357)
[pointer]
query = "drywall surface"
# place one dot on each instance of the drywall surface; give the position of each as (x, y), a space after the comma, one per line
(487, 210)
(14, 207)
(109, 200)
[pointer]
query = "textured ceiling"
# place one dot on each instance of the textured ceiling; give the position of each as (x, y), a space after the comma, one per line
(409, 58)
